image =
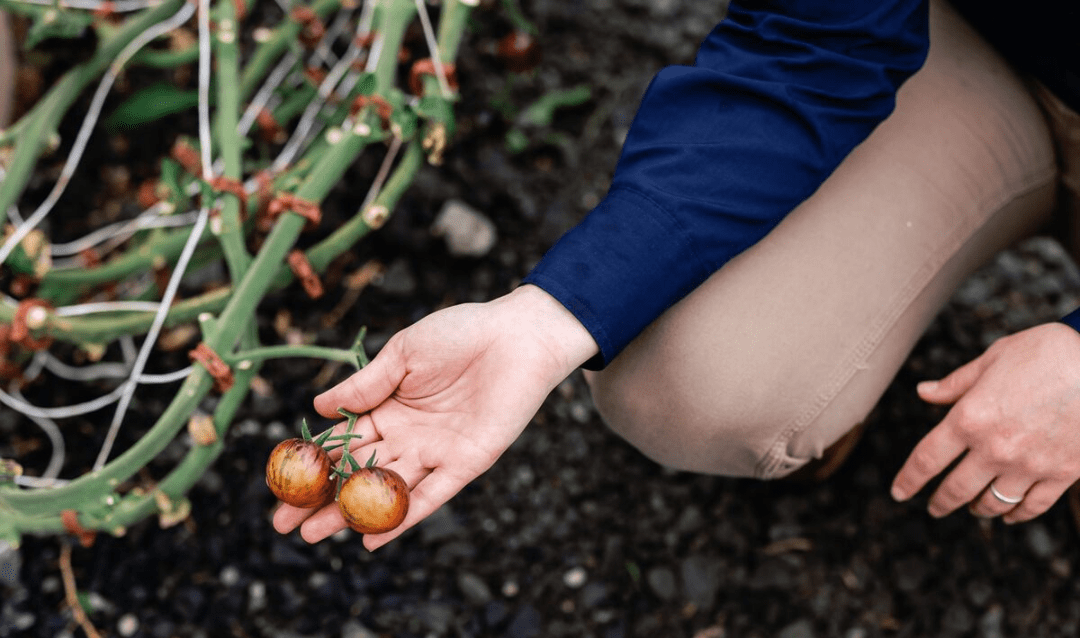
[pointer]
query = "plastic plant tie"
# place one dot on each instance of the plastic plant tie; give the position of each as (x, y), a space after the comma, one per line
(187, 157)
(218, 369)
(426, 66)
(315, 75)
(231, 186)
(70, 519)
(290, 202)
(269, 128)
(21, 332)
(8, 369)
(301, 267)
(383, 108)
(105, 10)
(313, 28)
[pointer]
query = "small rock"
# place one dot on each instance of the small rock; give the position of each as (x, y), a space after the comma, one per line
(575, 577)
(229, 575)
(1039, 540)
(958, 619)
(701, 580)
(398, 279)
(474, 588)
(662, 582)
(127, 625)
(991, 621)
(466, 231)
(799, 629)
(593, 594)
(526, 623)
(353, 629)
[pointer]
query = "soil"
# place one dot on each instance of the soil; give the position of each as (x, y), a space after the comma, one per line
(572, 532)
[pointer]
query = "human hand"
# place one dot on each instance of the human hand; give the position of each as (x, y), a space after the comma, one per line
(445, 398)
(1016, 423)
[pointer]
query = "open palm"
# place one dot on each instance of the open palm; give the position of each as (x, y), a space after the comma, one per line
(440, 403)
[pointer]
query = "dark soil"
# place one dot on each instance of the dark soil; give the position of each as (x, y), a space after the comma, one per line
(573, 532)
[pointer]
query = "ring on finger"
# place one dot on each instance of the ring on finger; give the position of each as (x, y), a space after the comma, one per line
(1011, 500)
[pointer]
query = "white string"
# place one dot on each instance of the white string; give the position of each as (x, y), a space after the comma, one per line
(262, 97)
(384, 171)
(128, 389)
(107, 306)
(89, 121)
(307, 122)
(433, 48)
(120, 6)
(153, 217)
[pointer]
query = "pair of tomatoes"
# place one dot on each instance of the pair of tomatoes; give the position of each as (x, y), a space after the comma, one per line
(372, 499)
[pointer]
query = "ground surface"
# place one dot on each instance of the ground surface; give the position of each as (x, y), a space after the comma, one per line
(573, 533)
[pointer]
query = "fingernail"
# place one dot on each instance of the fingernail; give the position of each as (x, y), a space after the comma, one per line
(898, 494)
(927, 386)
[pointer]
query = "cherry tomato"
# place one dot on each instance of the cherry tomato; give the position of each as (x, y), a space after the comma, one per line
(374, 500)
(298, 472)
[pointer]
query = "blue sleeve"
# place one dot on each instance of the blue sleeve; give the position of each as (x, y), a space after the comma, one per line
(781, 91)
(1072, 320)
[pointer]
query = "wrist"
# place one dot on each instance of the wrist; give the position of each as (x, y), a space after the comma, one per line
(553, 327)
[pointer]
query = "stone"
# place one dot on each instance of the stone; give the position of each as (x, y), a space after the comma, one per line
(466, 231)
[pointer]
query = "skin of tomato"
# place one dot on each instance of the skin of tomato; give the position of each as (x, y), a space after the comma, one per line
(374, 500)
(298, 473)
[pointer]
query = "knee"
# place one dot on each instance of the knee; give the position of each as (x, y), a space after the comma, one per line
(730, 427)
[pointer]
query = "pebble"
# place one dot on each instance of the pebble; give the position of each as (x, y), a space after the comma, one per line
(801, 628)
(991, 622)
(475, 590)
(353, 629)
(1039, 540)
(127, 625)
(661, 581)
(256, 596)
(397, 279)
(575, 577)
(466, 231)
(701, 580)
(525, 624)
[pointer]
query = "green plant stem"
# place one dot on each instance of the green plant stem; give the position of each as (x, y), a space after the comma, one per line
(281, 352)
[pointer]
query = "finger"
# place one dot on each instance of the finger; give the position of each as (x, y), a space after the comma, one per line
(367, 387)
(955, 384)
(287, 517)
(431, 493)
(988, 505)
(935, 452)
(963, 485)
(323, 523)
(1039, 498)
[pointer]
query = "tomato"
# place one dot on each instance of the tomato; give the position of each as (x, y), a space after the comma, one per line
(374, 500)
(299, 473)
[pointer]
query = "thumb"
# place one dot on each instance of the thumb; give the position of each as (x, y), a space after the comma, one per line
(953, 386)
(367, 387)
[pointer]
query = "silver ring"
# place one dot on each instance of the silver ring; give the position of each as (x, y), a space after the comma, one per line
(1004, 499)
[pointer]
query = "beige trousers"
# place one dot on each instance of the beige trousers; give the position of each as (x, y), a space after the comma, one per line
(792, 343)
